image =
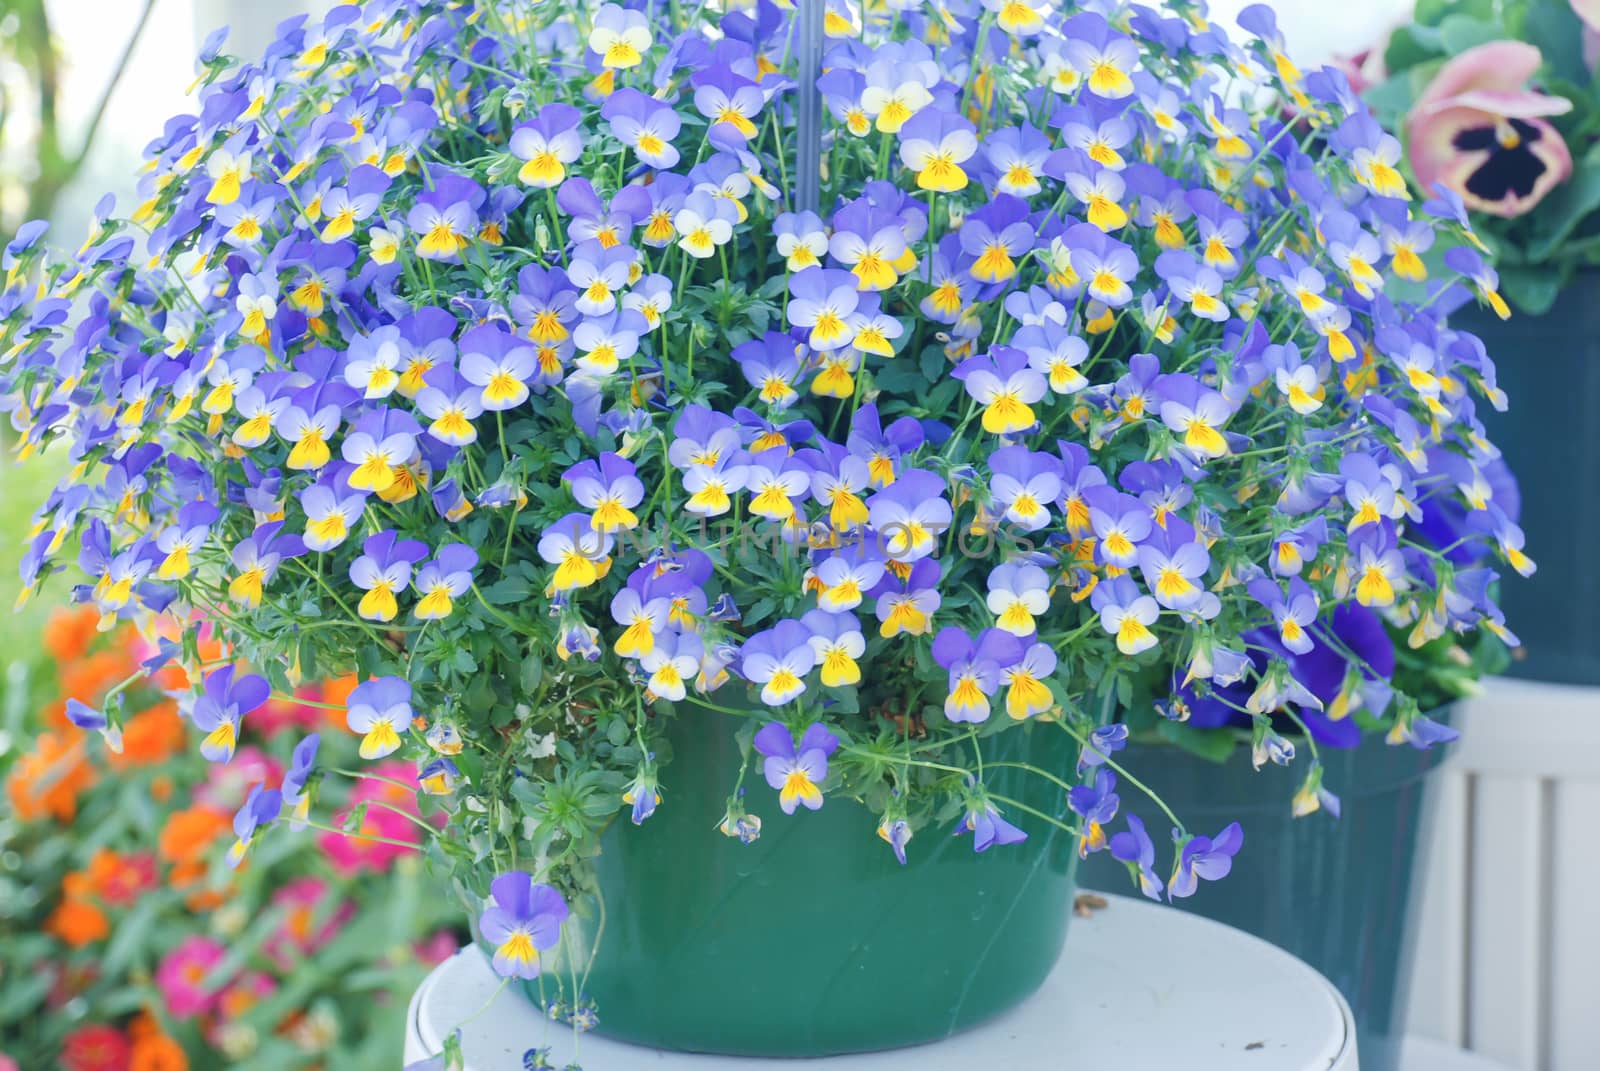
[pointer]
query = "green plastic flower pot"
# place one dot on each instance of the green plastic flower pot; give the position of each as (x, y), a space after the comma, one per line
(1549, 366)
(813, 940)
(1335, 893)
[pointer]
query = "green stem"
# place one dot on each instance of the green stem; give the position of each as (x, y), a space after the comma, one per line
(362, 836)
(1025, 809)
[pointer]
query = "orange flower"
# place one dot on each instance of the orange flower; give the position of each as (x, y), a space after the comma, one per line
(47, 781)
(157, 1052)
(188, 834)
(150, 737)
(77, 922)
(203, 900)
(186, 841)
(88, 679)
(337, 692)
(68, 633)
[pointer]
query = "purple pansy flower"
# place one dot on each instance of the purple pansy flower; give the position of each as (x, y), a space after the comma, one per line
(1101, 745)
(546, 144)
(778, 659)
(974, 669)
(644, 124)
(910, 514)
(1174, 565)
(796, 772)
(524, 920)
(500, 366)
(1005, 385)
(1294, 613)
(1126, 613)
(222, 704)
(674, 658)
(1018, 592)
(380, 710)
(1135, 848)
(297, 780)
(444, 579)
(1203, 857)
(445, 219)
(984, 821)
(261, 808)
(1096, 803)
(382, 571)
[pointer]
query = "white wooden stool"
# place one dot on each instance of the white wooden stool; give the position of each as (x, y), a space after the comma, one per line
(1139, 986)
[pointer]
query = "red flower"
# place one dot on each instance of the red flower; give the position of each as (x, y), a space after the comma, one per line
(95, 1047)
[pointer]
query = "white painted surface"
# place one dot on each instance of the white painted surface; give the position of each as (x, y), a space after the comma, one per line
(1420, 1054)
(1507, 952)
(1140, 986)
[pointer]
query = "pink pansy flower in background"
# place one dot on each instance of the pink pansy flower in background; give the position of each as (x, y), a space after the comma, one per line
(1480, 130)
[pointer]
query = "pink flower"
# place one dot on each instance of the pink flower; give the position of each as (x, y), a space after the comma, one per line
(1364, 69)
(228, 783)
(182, 974)
(244, 993)
(351, 855)
(432, 950)
(1482, 132)
(284, 714)
(304, 901)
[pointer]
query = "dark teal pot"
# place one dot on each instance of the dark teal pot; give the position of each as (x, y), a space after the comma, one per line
(1549, 367)
(813, 940)
(1335, 893)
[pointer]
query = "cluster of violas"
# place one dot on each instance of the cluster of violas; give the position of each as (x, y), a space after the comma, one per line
(1170, 372)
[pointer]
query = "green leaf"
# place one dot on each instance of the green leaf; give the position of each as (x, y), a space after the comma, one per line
(1459, 32)
(506, 591)
(22, 994)
(130, 931)
(1567, 206)
(1531, 289)
(1213, 745)
(1391, 98)
(847, 701)
(1433, 12)
(1556, 30)
(532, 674)
(1411, 45)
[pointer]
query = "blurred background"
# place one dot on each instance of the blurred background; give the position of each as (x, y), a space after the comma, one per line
(124, 941)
